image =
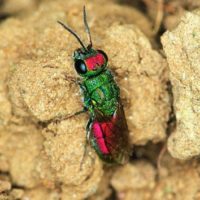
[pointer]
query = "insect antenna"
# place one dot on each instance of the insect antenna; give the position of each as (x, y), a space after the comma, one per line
(73, 33)
(87, 28)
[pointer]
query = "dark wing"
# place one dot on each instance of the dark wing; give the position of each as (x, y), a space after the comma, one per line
(111, 136)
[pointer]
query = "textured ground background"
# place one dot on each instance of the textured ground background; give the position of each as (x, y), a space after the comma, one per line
(153, 49)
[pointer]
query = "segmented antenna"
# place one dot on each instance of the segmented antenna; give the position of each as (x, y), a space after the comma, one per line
(73, 33)
(87, 28)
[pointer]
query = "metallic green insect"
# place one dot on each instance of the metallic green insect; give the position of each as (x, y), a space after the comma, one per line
(107, 129)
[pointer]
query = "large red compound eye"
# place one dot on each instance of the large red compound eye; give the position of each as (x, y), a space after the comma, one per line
(97, 61)
(104, 55)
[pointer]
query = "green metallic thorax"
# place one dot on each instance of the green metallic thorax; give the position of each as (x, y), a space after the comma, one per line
(101, 93)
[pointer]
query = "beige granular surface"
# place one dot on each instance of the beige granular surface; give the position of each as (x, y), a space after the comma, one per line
(40, 159)
(182, 49)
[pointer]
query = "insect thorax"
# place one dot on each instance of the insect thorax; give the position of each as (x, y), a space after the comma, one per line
(102, 93)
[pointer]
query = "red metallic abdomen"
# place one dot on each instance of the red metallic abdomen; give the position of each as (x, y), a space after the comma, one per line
(109, 137)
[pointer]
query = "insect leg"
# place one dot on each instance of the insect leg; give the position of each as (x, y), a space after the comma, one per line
(61, 118)
(72, 79)
(88, 134)
(66, 76)
(160, 156)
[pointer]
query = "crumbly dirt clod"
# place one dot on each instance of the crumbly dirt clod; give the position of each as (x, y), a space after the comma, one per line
(37, 87)
(182, 49)
(44, 159)
(20, 7)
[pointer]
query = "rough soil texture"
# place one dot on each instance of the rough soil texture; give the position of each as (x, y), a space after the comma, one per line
(182, 47)
(40, 159)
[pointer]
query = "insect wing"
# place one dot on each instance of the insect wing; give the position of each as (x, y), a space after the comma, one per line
(111, 136)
